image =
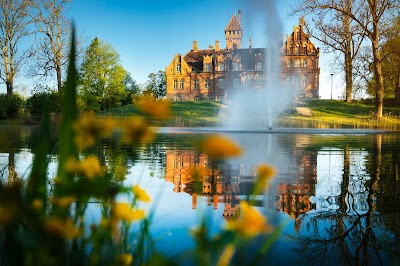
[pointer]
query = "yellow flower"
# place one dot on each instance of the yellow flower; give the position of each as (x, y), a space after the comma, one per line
(124, 259)
(140, 194)
(64, 228)
(264, 173)
(37, 204)
(63, 202)
(90, 128)
(157, 109)
(220, 147)
(226, 255)
(136, 130)
(250, 223)
(122, 211)
(89, 167)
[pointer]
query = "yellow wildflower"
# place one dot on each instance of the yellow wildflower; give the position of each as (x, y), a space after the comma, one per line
(157, 109)
(250, 223)
(136, 130)
(264, 173)
(90, 128)
(220, 147)
(37, 204)
(89, 167)
(140, 194)
(63, 202)
(226, 255)
(124, 259)
(64, 228)
(122, 211)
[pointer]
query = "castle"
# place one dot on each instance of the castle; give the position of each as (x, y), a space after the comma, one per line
(212, 74)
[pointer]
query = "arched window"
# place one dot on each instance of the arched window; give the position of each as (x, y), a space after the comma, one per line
(182, 84)
(305, 49)
(297, 49)
(305, 63)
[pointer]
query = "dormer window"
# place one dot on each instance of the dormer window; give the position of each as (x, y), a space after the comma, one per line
(297, 49)
(221, 67)
(259, 66)
(305, 49)
(178, 68)
(208, 67)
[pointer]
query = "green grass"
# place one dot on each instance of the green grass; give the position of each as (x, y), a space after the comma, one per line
(326, 114)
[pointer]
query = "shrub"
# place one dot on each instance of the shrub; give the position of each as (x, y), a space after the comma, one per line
(35, 104)
(10, 108)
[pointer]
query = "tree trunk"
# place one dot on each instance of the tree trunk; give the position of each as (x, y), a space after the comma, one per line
(378, 72)
(59, 82)
(398, 90)
(348, 56)
(9, 85)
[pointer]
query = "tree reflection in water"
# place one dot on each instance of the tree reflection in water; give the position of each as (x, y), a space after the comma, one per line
(350, 234)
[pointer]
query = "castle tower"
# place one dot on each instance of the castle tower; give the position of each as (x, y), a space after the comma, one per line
(233, 32)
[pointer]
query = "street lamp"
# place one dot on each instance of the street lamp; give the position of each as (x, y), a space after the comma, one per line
(331, 84)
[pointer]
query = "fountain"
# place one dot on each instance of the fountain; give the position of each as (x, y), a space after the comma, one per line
(258, 109)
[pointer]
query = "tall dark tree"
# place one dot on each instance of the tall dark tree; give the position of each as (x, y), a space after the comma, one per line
(14, 24)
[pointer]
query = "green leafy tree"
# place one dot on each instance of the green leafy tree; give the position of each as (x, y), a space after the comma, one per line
(157, 84)
(132, 88)
(102, 76)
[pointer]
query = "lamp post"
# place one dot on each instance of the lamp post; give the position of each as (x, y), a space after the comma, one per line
(331, 84)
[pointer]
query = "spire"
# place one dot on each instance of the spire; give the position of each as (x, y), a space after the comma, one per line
(233, 24)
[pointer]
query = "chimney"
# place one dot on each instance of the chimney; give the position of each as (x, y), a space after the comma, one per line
(195, 49)
(217, 45)
(250, 43)
(239, 18)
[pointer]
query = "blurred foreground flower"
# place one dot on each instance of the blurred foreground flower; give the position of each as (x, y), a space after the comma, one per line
(226, 255)
(264, 174)
(63, 202)
(123, 211)
(89, 167)
(250, 223)
(64, 228)
(158, 109)
(89, 128)
(124, 259)
(140, 194)
(136, 130)
(220, 147)
(9, 213)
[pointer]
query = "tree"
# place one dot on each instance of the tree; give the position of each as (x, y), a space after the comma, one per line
(14, 22)
(157, 84)
(102, 75)
(369, 16)
(51, 51)
(132, 88)
(340, 35)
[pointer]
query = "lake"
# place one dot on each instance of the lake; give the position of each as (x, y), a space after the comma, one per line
(335, 198)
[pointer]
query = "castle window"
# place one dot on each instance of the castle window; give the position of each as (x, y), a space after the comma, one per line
(290, 63)
(196, 84)
(305, 63)
(208, 67)
(304, 81)
(290, 49)
(178, 68)
(297, 49)
(236, 66)
(181, 84)
(207, 83)
(175, 84)
(221, 67)
(259, 66)
(297, 63)
(221, 83)
(305, 49)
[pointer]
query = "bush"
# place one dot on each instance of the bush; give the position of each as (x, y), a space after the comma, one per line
(35, 104)
(10, 108)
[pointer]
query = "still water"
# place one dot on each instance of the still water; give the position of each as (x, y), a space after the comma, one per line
(335, 198)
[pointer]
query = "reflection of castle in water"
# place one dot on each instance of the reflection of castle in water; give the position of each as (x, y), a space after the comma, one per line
(224, 183)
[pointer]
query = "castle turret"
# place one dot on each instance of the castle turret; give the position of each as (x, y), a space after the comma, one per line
(233, 33)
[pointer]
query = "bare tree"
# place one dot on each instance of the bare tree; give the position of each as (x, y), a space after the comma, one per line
(369, 15)
(338, 33)
(53, 30)
(14, 22)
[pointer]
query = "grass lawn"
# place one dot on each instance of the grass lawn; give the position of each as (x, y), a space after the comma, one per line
(326, 114)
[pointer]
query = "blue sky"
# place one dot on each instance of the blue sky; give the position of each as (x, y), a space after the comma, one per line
(148, 33)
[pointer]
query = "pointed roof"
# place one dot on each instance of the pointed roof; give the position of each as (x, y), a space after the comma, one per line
(233, 24)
